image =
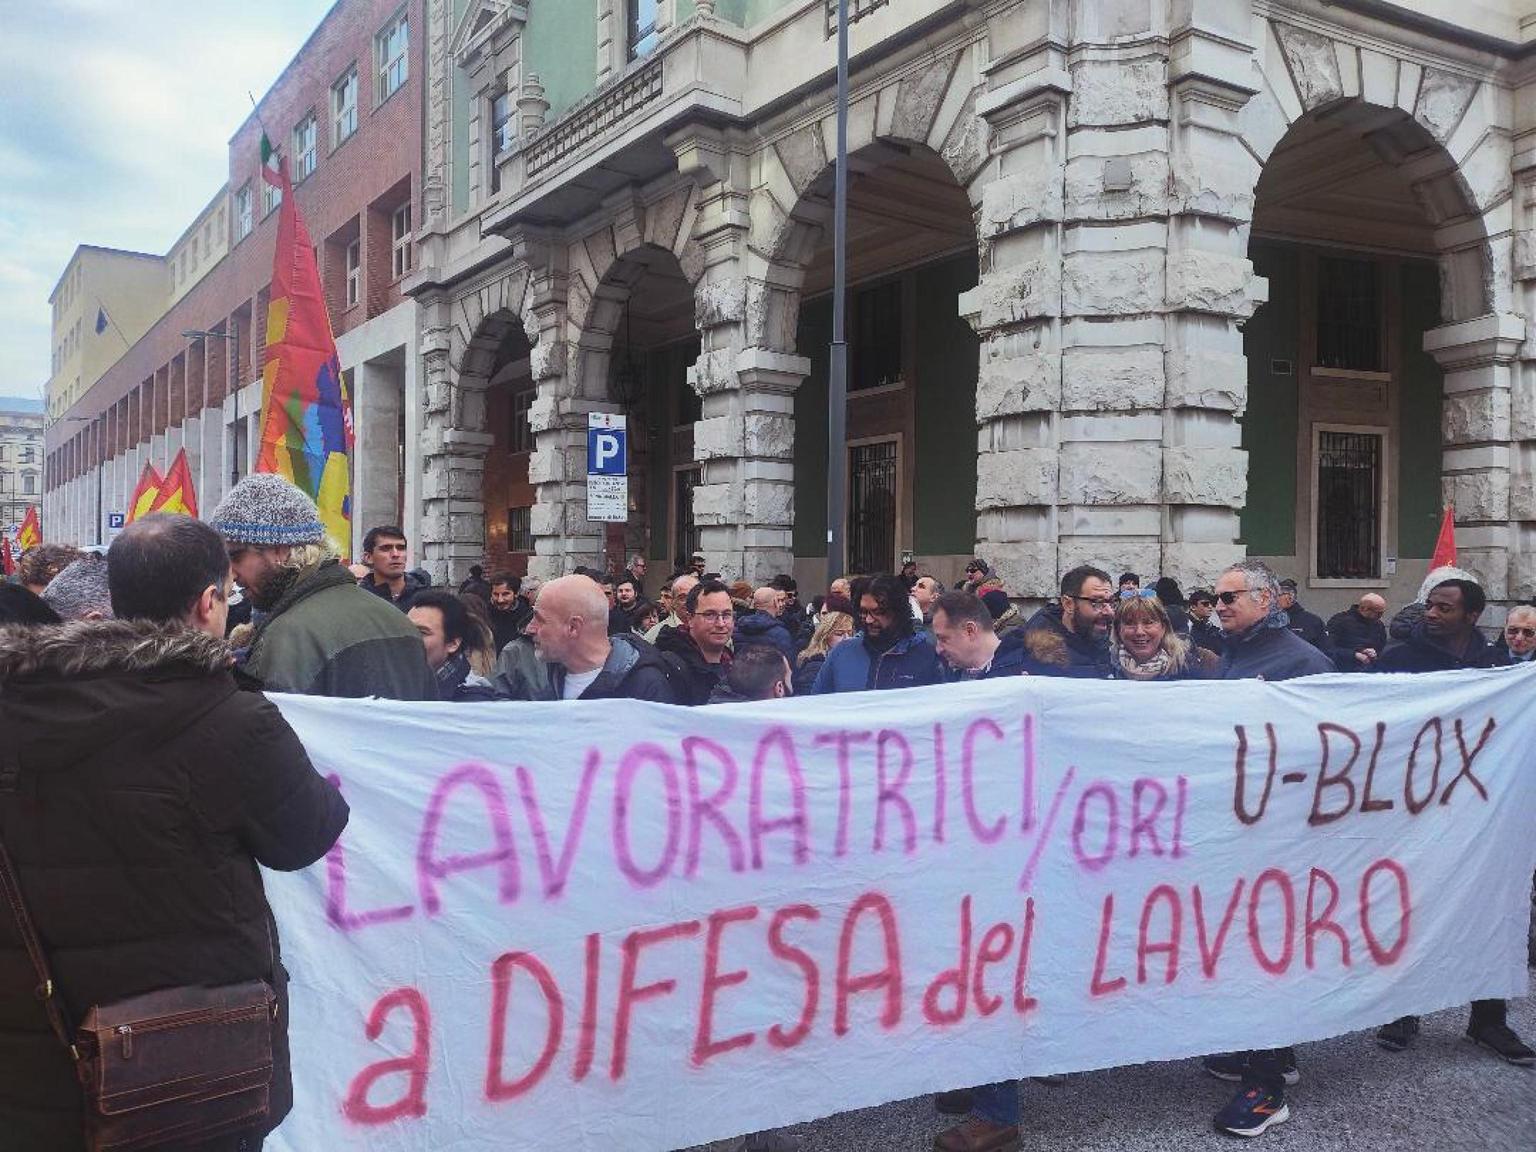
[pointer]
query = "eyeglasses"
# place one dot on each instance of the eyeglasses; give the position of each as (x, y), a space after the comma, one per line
(874, 614)
(1528, 633)
(717, 617)
(1138, 594)
(1097, 603)
(1230, 598)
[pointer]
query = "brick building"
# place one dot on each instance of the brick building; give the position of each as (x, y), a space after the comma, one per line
(346, 112)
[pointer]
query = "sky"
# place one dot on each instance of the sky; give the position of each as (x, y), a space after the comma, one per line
(115, 121)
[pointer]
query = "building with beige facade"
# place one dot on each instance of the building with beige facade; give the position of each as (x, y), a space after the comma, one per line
(21, 459)
(1151, 284)
(105, 299)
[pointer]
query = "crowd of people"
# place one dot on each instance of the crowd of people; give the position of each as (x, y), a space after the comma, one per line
(149, 663)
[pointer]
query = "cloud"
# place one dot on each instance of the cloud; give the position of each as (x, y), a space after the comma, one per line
(116, 128)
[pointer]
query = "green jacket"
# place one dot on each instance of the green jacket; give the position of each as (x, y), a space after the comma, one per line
(328, 637)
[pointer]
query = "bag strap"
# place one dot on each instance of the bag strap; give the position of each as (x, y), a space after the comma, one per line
(45, 990)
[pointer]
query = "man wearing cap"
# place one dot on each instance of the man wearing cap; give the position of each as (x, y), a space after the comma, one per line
(320, 634)
(1306, 625)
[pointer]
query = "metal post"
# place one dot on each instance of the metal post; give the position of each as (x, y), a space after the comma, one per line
(837, 383)
(234, 378)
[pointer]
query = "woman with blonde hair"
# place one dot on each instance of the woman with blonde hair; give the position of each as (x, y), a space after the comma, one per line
(831, 630)
(1145, 646)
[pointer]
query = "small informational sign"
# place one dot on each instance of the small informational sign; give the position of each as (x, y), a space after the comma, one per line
(115, 521)
(607, 468)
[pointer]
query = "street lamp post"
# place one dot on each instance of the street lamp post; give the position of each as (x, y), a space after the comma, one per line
(232, 337)
(837, 383)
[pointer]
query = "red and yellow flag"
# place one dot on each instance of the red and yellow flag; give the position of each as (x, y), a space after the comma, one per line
(306, 414)
(177, 492)
(31, 534)
(1445, 543)
(142, 502)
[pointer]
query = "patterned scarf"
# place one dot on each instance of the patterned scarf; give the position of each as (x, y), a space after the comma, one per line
(1157, 668)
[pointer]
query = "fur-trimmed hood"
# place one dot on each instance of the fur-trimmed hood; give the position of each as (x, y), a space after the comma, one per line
(68, 691)
(98, 647)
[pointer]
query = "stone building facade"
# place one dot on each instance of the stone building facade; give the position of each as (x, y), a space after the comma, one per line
(1109, 173)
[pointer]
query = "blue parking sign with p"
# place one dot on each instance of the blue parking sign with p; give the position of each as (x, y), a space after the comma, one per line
(606, 452)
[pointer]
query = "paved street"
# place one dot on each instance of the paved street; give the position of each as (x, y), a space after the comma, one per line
(1444, 1094)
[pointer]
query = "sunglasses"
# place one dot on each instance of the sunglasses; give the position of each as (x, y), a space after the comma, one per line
(1230, 598)
(1138, 594)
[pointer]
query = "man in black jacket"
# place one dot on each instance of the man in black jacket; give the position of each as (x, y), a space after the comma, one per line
(139, 788)
(580, 661)
(1260, 646)
(1356, 636)
(1081, 620)
(1307, 625)
(1203, 631)
(698, 650)
(386, 554)
(510, 613)
(1447, 638)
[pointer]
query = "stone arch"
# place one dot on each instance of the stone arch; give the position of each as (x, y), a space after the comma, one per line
(1445, 131)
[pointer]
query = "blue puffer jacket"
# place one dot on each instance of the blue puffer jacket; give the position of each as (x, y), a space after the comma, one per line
(853, 667)
(765, 631)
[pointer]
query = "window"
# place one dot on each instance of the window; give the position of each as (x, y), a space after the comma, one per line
(520, 435)
(400, 240)
(1348, 471)
(873, 483)
(244, 221)
(354, 261)
(271, 196)
(304, 148)
(686, 536)
(502, 135)
(194, 252)
(29, 485)
(875, 341)
(1349, 314)
(29, 455)
(344, 107)
(519, 529)
(390, 50)
(642, 27)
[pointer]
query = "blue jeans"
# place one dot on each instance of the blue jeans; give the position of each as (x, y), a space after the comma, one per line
(998, 1102)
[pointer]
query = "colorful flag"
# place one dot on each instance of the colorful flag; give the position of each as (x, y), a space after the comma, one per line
(306, 414)
(1445, 545)
(31, 534)
(142, 502)
(7, 559)
(177, 491)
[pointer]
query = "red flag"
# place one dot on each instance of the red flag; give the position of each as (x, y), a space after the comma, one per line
(144, 493)
(177, 492)
(31, 534)
(7, 561)
(1445, 545)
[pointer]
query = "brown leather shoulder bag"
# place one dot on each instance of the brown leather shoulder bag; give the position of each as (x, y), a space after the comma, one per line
(171, 1066)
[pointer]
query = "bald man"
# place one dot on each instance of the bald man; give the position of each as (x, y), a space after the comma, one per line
(579, 660)
(762, 627)
(1357, 635)
(677, 595)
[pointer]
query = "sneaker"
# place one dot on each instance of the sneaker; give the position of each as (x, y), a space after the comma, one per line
(1233, 1066)
(978, 1135)
(1399, 1034)
(953, 1103)
(1251, 1112)
(1500, 1039)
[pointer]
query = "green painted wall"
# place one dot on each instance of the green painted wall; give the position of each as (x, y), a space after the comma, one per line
(943, 471)
(944, 503)
(743, 13)
(560, 44)
(1268, 522)
(1418, 429)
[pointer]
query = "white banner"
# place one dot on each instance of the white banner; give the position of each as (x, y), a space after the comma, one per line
(622, 925)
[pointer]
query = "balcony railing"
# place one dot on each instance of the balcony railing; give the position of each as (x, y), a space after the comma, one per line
(857, 10)
(582, 125)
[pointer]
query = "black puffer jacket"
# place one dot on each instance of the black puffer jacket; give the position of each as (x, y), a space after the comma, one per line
(693, 677)
(1086, 659)
(1422, 652)
(139, 789)
(1348, 633)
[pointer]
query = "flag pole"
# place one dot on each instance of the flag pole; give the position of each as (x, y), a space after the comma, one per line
(837, 383)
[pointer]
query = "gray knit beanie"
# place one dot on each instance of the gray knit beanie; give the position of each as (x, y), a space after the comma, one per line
(265, 509)
(80, 590)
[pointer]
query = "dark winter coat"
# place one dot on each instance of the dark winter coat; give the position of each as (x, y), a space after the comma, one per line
(634, 670)
(693, 677)
(765, 631)
(507, 626)
(1308, 626)
(1422, 653)
(139, 789)
(806, 673)
(414, 583)
(1404, 621)
(1271, 651)
(328, 637)
(853, 666)
(458, 682)
(1019, 653)
(1205, 634)
(1348, 633)
(1086, 659)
